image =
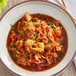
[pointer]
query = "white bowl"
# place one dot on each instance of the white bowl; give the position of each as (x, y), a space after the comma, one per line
(44, 7)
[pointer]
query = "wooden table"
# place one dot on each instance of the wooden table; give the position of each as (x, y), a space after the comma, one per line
(70, 71)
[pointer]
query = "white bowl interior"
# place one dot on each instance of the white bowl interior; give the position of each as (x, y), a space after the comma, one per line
(36, 7)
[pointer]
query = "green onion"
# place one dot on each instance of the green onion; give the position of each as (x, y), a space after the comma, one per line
(59, 58)
(14, 57)
(37, 39)
(24, 56)
(19, 32)
(35, 35)
(11, 25)
(39, 17)
(26, 52)
(10, 53)
(51, 24)
(49, 39)
(13, 46)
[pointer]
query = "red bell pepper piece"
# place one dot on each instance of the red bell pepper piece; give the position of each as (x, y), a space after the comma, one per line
(54, 37)
(13, 36)
(49, 18)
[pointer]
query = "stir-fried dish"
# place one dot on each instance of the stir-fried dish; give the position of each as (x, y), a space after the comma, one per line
(37, 42)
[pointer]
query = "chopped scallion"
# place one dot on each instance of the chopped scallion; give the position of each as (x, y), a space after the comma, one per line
(39, 17)
(19, 32)
(24, 56)
(34, 37)
(14, 57)
(49, 39)
(51, 24)
(13, 46)
(11, 25)
(26, 52)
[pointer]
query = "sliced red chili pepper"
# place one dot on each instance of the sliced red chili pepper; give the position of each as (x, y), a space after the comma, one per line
(33, 58)
(49, 18)
(40, 62)
(13, 36)
(54, 37)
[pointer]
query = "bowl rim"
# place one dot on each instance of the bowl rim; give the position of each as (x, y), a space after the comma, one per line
(50, 3)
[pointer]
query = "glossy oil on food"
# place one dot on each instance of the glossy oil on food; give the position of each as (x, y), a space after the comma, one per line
(37, 42)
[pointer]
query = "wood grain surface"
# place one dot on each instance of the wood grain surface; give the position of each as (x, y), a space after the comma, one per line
(69, 71)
